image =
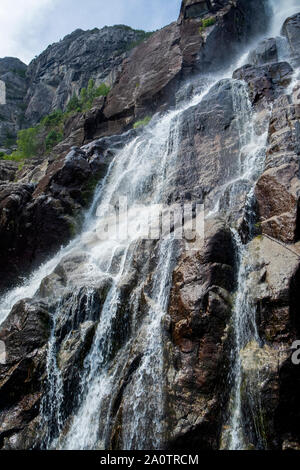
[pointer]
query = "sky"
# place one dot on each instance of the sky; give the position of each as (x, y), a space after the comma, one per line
(27, 27)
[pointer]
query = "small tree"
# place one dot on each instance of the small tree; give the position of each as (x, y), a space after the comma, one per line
(74, 104)
(53, 138)
(27, 142)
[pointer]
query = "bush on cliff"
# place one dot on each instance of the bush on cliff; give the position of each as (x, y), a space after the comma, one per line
(53, 138)
(49, 132)
(206, 23)
(143, 122)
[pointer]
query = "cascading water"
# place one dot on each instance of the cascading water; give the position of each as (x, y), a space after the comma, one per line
(236, 433)
(141, 171)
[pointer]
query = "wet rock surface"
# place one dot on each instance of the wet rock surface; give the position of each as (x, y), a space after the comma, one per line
(25, 335)
(67, 66)
(278, 189)
(43, 210)
(198, 362)
(266, 82)
(290, 30)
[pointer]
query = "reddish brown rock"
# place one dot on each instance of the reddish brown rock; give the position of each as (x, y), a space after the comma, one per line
(278, 189)
(24, 333)
(200, 307)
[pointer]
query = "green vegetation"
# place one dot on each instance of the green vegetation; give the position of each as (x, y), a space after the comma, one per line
(43, 137)
(54, 119)
(53, 138)
(87, 95)
(143, 122)
(27, 142)
(206, 23)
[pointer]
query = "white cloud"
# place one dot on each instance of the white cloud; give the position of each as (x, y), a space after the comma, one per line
(20, 26)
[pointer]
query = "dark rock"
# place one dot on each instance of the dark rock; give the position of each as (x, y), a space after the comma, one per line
(266, 52)
(198, 361)
(25, 333)
(266, 82)
(8, 170)
(278, 189)
(13, 74)
(290, 30)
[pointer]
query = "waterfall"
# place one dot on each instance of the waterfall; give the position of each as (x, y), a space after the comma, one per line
(236, 433)
(126, 359)
(281, 11)
(244, 329)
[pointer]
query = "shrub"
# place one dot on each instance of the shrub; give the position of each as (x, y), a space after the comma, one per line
(27, 142)
(73, 104)
(86, 97)
(206, 22)
(53, 119)
(143, 122)
(15, 156)
(53, 138)
(102, 90)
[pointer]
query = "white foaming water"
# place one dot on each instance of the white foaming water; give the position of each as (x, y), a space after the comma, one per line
(148, 154)
(235, 436)
(141, 172)
(282, 9)
(30, 286)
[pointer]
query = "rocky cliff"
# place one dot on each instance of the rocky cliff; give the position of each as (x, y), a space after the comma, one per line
(149, 344)
(61, 71)
(13, 74)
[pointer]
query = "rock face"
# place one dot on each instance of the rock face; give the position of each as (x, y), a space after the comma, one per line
(266, 82)
(48, 338)
(60, 71)
(36, 219)
(278, 189)
(198, 360)
(274, 380)
(291, 31)
(13, 74)
(25, 335)
(66, 67)
(265, 52)
(153, 72)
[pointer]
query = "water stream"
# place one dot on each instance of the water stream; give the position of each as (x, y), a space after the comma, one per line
(141, 172)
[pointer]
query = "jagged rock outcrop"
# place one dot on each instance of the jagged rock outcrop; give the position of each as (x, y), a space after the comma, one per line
(270, 396)
(60, 71)
(66, 67)
(290, 30)
(151, 75)
(8, 170)
(266, 82)
(278, 189)
(198, 360)
(265, 52)
(25, 334)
